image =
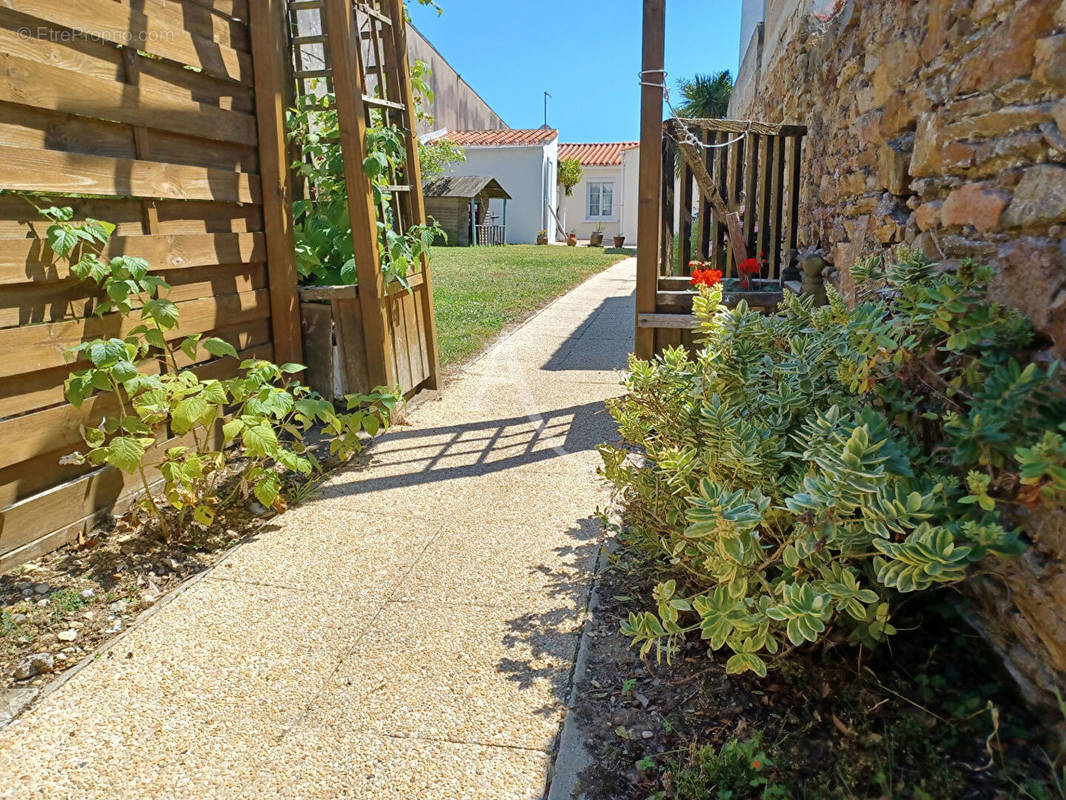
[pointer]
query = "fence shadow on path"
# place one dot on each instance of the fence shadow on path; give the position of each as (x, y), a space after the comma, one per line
(474, 449)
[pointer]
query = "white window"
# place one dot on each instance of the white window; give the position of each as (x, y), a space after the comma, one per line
(601, 200)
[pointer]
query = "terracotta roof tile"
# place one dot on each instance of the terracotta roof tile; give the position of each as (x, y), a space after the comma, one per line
(514, 137)
(600, 154)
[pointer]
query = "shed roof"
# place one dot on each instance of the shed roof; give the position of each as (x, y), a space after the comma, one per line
(464, 186)
(596, 154)
(514, 137)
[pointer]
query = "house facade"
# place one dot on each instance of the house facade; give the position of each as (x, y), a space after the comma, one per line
(525, 162)
(606, 197)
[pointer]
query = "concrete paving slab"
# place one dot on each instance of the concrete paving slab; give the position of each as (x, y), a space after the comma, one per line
(407, 632)
(326, 760)
(452, 672)
(191, 699)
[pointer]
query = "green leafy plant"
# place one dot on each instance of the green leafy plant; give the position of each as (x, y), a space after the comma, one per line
(570, 174)
(256, 420)
(325, 253)
(738, 770)
(804, 469)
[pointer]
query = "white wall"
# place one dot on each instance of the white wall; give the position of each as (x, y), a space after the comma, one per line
(630, 195)
(577, 204)
(527, 174)
(625, 178)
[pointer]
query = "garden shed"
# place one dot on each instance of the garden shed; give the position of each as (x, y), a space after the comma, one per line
(460, 203)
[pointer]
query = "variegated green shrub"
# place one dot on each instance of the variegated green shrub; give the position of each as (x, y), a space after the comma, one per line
(805, 468)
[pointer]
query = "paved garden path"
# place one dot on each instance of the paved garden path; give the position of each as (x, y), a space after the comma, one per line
(409, 632)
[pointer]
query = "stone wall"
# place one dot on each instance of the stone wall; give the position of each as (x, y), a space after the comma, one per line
(942, 124)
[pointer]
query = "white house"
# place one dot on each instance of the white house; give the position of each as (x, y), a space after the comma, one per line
(524, 162)
(606, 197)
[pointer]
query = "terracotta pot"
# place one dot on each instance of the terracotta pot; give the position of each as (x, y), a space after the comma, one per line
(619, 241)
(571, 240)
(542, 240)
(596, 239)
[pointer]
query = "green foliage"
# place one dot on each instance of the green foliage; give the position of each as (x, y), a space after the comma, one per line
(325, 253)
(807, 467)
(706, 96)
(268, 412)
(738, 770)
(438, 155)
(570, 174)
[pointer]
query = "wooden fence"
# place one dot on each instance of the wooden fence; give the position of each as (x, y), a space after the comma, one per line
(755, 168)
(165, 117)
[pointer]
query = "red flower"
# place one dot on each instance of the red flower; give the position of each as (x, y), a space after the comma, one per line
(706, 277)
(755, 764)
(749, 266)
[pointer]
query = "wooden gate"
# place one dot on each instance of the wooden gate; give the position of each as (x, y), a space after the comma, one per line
(165, 117)
(711, 190)
(374, 334)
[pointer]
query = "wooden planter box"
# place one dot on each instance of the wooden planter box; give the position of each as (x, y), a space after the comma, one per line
(674, 295)
(335, 347)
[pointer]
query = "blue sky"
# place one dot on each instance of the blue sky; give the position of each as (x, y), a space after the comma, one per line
(585, 52)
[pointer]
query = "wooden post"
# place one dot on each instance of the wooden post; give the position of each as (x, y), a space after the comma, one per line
(271, 63)
(651, 141)
(414, 178)
(344, 41)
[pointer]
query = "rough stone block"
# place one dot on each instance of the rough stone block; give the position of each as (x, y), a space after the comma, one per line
(925, 159)
(1039, 199)
(996, 123)
(1050, 56)
(927, 216)
(956, 155)
(977, 204)
(892, 169)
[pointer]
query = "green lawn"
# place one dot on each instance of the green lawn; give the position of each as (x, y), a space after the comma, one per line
(479, 290)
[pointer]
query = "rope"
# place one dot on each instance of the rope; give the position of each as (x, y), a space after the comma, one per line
(689, 137)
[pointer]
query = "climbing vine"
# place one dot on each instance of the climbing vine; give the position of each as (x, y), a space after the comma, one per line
(806, 469)
(249, 428)
(325, 251)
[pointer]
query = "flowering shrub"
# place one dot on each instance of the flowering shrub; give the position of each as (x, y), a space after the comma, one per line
(749, 268)
(705, 277)
(804, 469)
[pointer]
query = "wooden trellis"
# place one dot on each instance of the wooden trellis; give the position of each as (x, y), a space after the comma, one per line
(387, 336)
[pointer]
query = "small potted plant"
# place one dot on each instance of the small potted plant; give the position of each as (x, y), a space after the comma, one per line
(571, 239)
(619, 240)
(542, 237)
(596, 238)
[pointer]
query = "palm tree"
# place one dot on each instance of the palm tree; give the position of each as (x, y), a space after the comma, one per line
(706, 96)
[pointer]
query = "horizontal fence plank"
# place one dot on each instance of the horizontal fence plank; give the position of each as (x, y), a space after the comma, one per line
(103, 60)
(745, 126)
(60, 172)
(29, 83)
(33, 391)
(18, 219)
(235, 9)
(196, 19)
(23, 260)
(123, 25)
(683, 321)
(36, 347)
(32, 303)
